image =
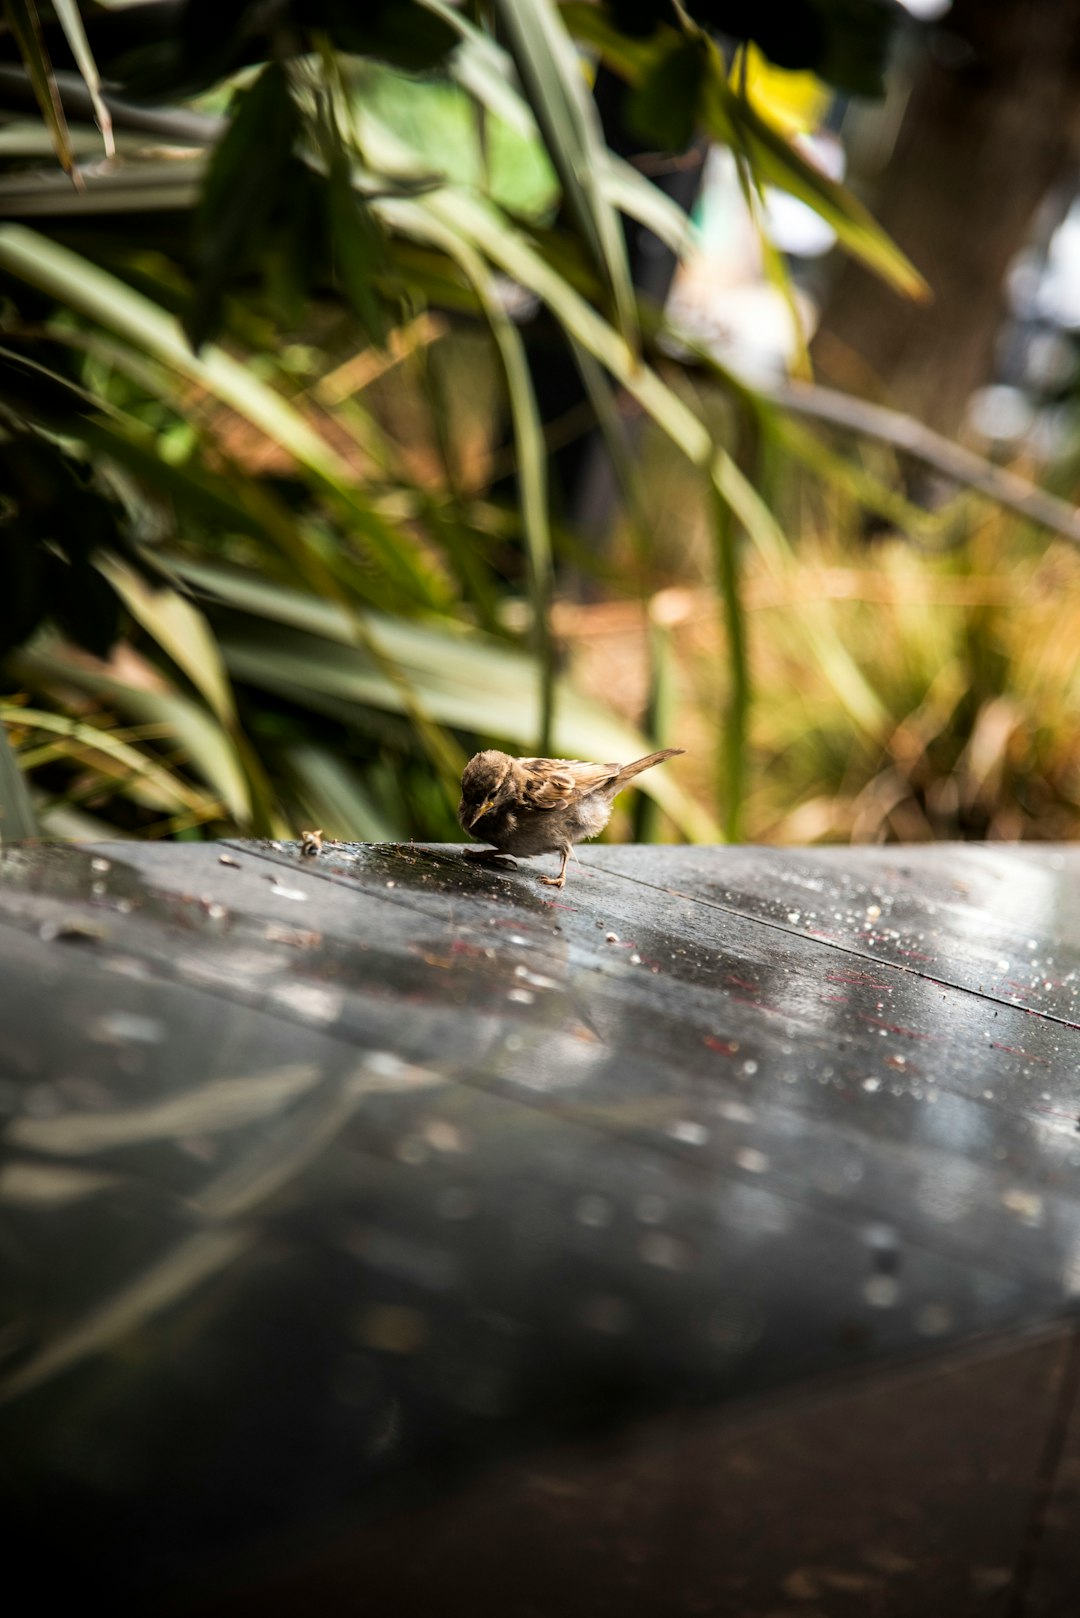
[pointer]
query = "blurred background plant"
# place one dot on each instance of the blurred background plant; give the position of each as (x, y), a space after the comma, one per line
(378, 383)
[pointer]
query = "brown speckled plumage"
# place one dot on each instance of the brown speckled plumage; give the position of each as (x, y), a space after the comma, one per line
(530, 806)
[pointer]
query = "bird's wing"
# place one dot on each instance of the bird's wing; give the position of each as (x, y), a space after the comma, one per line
(553, 783)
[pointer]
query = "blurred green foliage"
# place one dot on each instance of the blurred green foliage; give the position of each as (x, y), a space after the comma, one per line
(262, 569)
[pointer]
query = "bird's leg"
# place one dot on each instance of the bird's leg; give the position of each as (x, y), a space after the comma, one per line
(560, 880)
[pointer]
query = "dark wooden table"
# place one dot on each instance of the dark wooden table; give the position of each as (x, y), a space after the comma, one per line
(384, 1233)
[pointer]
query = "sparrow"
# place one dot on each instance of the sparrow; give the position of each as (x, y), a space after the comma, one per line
(529, 806)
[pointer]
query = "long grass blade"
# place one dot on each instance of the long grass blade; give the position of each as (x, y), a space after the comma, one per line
(551, 72)
(732, 782)
(26, 26)
(170, 791)
(207, 750)
(67, 15)
(17, 820)
(100, 296)
(531, 459)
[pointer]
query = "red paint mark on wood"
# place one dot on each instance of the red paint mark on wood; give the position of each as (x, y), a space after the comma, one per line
(1014, 1050)
(895, 1028)
(726, 1047)
(865, 979)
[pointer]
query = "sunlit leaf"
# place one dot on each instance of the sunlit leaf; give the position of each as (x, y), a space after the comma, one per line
(26, 27)
(775, 161)
(179, 629)
(169, 791)
(551, 72)
(67, 15)
(209, 752)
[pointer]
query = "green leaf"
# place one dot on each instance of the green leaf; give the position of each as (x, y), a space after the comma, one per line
(663, 107)
(531, 458)
(168, 791)
(16, 813)
(207, 749)
(243, 183)
(101, 297)
(551, 72)
(732, 783)
(67, 15)
(408, 36)
(730, 118)
(356, 239)
(180, 630)
(26, 26)
(592, 26)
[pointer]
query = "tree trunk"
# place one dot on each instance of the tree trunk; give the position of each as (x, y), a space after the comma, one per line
(991, 124)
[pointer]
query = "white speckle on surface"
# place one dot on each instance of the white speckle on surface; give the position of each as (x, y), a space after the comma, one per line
(871, 1084)
(1027, 1205)
(753, 1161)
(686, 1130)
(523, 997)
(445, 1136)
(593, 1210)
(127, 1027)
(606, 1313)
(933, 1319)
(881, 1291)
(749, 1068)
(736, 1112)
(100, 864)
(281, 892)
(635, 960)
(534, 978)
(650, 1209)
(611, 938)
(667, 1252)
(310, 1001)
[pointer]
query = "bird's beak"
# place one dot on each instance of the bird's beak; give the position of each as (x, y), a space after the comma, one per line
(488, 803)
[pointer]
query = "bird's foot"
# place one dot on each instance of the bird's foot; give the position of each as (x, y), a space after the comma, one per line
(554, 881)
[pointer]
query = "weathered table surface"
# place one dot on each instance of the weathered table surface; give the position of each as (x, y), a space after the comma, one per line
(323, 1173)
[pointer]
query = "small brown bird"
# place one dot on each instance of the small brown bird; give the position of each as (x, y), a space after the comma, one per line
(529, 806)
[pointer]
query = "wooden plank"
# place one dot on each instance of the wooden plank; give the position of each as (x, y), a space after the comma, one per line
(481, 1160)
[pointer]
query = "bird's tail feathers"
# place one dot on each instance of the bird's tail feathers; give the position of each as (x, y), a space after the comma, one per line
(628, 771)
